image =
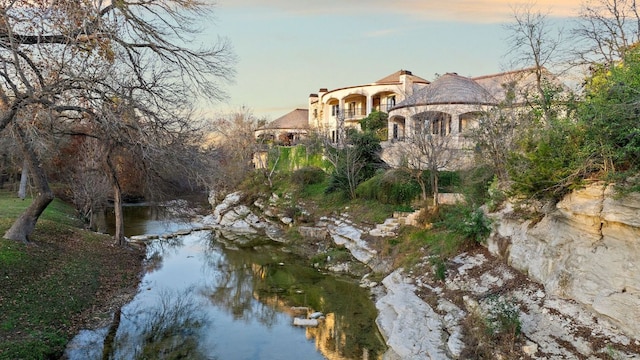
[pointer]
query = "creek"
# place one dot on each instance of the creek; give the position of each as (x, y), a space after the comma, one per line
(199, 299)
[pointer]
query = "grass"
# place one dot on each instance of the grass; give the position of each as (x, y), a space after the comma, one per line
(49, 287)
(412, 244)
(58, 211)
(453, 229)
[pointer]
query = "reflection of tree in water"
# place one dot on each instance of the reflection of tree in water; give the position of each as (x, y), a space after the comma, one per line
(168, 330)
(232, 282)
(158, 249)
(239, 278)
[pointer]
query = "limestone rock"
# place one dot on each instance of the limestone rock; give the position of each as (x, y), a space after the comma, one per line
(228, 202)
(587, 249)
(305, 322)
(349, 236)
(410, 326)
(314, 233)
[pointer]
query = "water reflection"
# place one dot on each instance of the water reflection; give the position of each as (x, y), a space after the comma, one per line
(167, 330)
(151, 220)
(199, 300)
(280, 283)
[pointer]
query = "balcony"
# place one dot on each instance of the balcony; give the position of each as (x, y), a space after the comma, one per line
(385, 107)
(353, 113)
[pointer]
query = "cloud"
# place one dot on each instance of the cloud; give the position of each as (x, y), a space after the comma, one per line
(481, 11)
(381, 33)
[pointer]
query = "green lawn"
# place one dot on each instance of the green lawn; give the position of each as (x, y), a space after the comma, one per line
(11, 207)
(49, 287)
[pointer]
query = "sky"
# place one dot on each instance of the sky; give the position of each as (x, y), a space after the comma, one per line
(288, 49)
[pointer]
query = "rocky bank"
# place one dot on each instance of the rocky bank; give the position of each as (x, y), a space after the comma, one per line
(569, 281)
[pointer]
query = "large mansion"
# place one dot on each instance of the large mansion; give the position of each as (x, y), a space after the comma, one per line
(449, 106)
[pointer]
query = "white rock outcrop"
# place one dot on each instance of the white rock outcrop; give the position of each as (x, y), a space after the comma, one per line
(587, 249)
(411, 328)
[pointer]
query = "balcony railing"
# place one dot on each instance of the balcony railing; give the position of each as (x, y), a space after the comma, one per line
(353, 113)
(359, 111)
(385, 107)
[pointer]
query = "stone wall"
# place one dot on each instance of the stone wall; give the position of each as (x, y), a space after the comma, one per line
(586, 249)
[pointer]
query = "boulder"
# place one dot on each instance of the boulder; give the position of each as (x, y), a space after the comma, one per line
(228, 202)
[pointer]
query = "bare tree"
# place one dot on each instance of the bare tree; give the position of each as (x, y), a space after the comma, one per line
(348, 165)
(89, 187)
(607, 30)
(430, 148)
(535, 43)
(235, 145)
(78, 59)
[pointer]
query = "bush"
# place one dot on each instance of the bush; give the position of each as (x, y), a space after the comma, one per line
(476, 184)
(307, 176)
(610, 113)
(552, 162)
(503, 317)
(465, 221)
(392, 187)
(355, 163)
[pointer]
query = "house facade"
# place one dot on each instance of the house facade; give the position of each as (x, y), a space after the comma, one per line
(287, 129)
(450, 107)
(331, 112)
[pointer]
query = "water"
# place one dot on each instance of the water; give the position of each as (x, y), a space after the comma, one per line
(200, 300)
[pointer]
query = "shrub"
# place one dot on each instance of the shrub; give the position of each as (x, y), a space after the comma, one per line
(493, 332)
(610, 113)
(439, 268)
(476, 184)
(307, 176)
(465, 221)
(355, 163)
(392, 187)
(552, 162)
(503, 317)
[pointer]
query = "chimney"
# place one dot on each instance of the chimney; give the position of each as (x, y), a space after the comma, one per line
(406, 83)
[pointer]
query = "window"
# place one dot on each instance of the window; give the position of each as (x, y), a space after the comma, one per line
(351, 109)
(441, 126)
(335, 110)
(392, 101)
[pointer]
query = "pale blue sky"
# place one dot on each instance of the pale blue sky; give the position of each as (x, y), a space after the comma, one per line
(288, 49)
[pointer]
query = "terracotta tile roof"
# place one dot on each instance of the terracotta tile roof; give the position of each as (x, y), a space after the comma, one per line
(296, 119)
(395, 78)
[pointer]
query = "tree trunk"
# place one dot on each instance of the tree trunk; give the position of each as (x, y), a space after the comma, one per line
(97, 219)
(24, 178)
(117, 200)
(117, 208)
(423, 185)
(436, 197)
(3, 168)
(26, 223)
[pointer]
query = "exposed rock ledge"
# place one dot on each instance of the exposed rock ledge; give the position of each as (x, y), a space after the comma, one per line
(587, 249)
(422, 318)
